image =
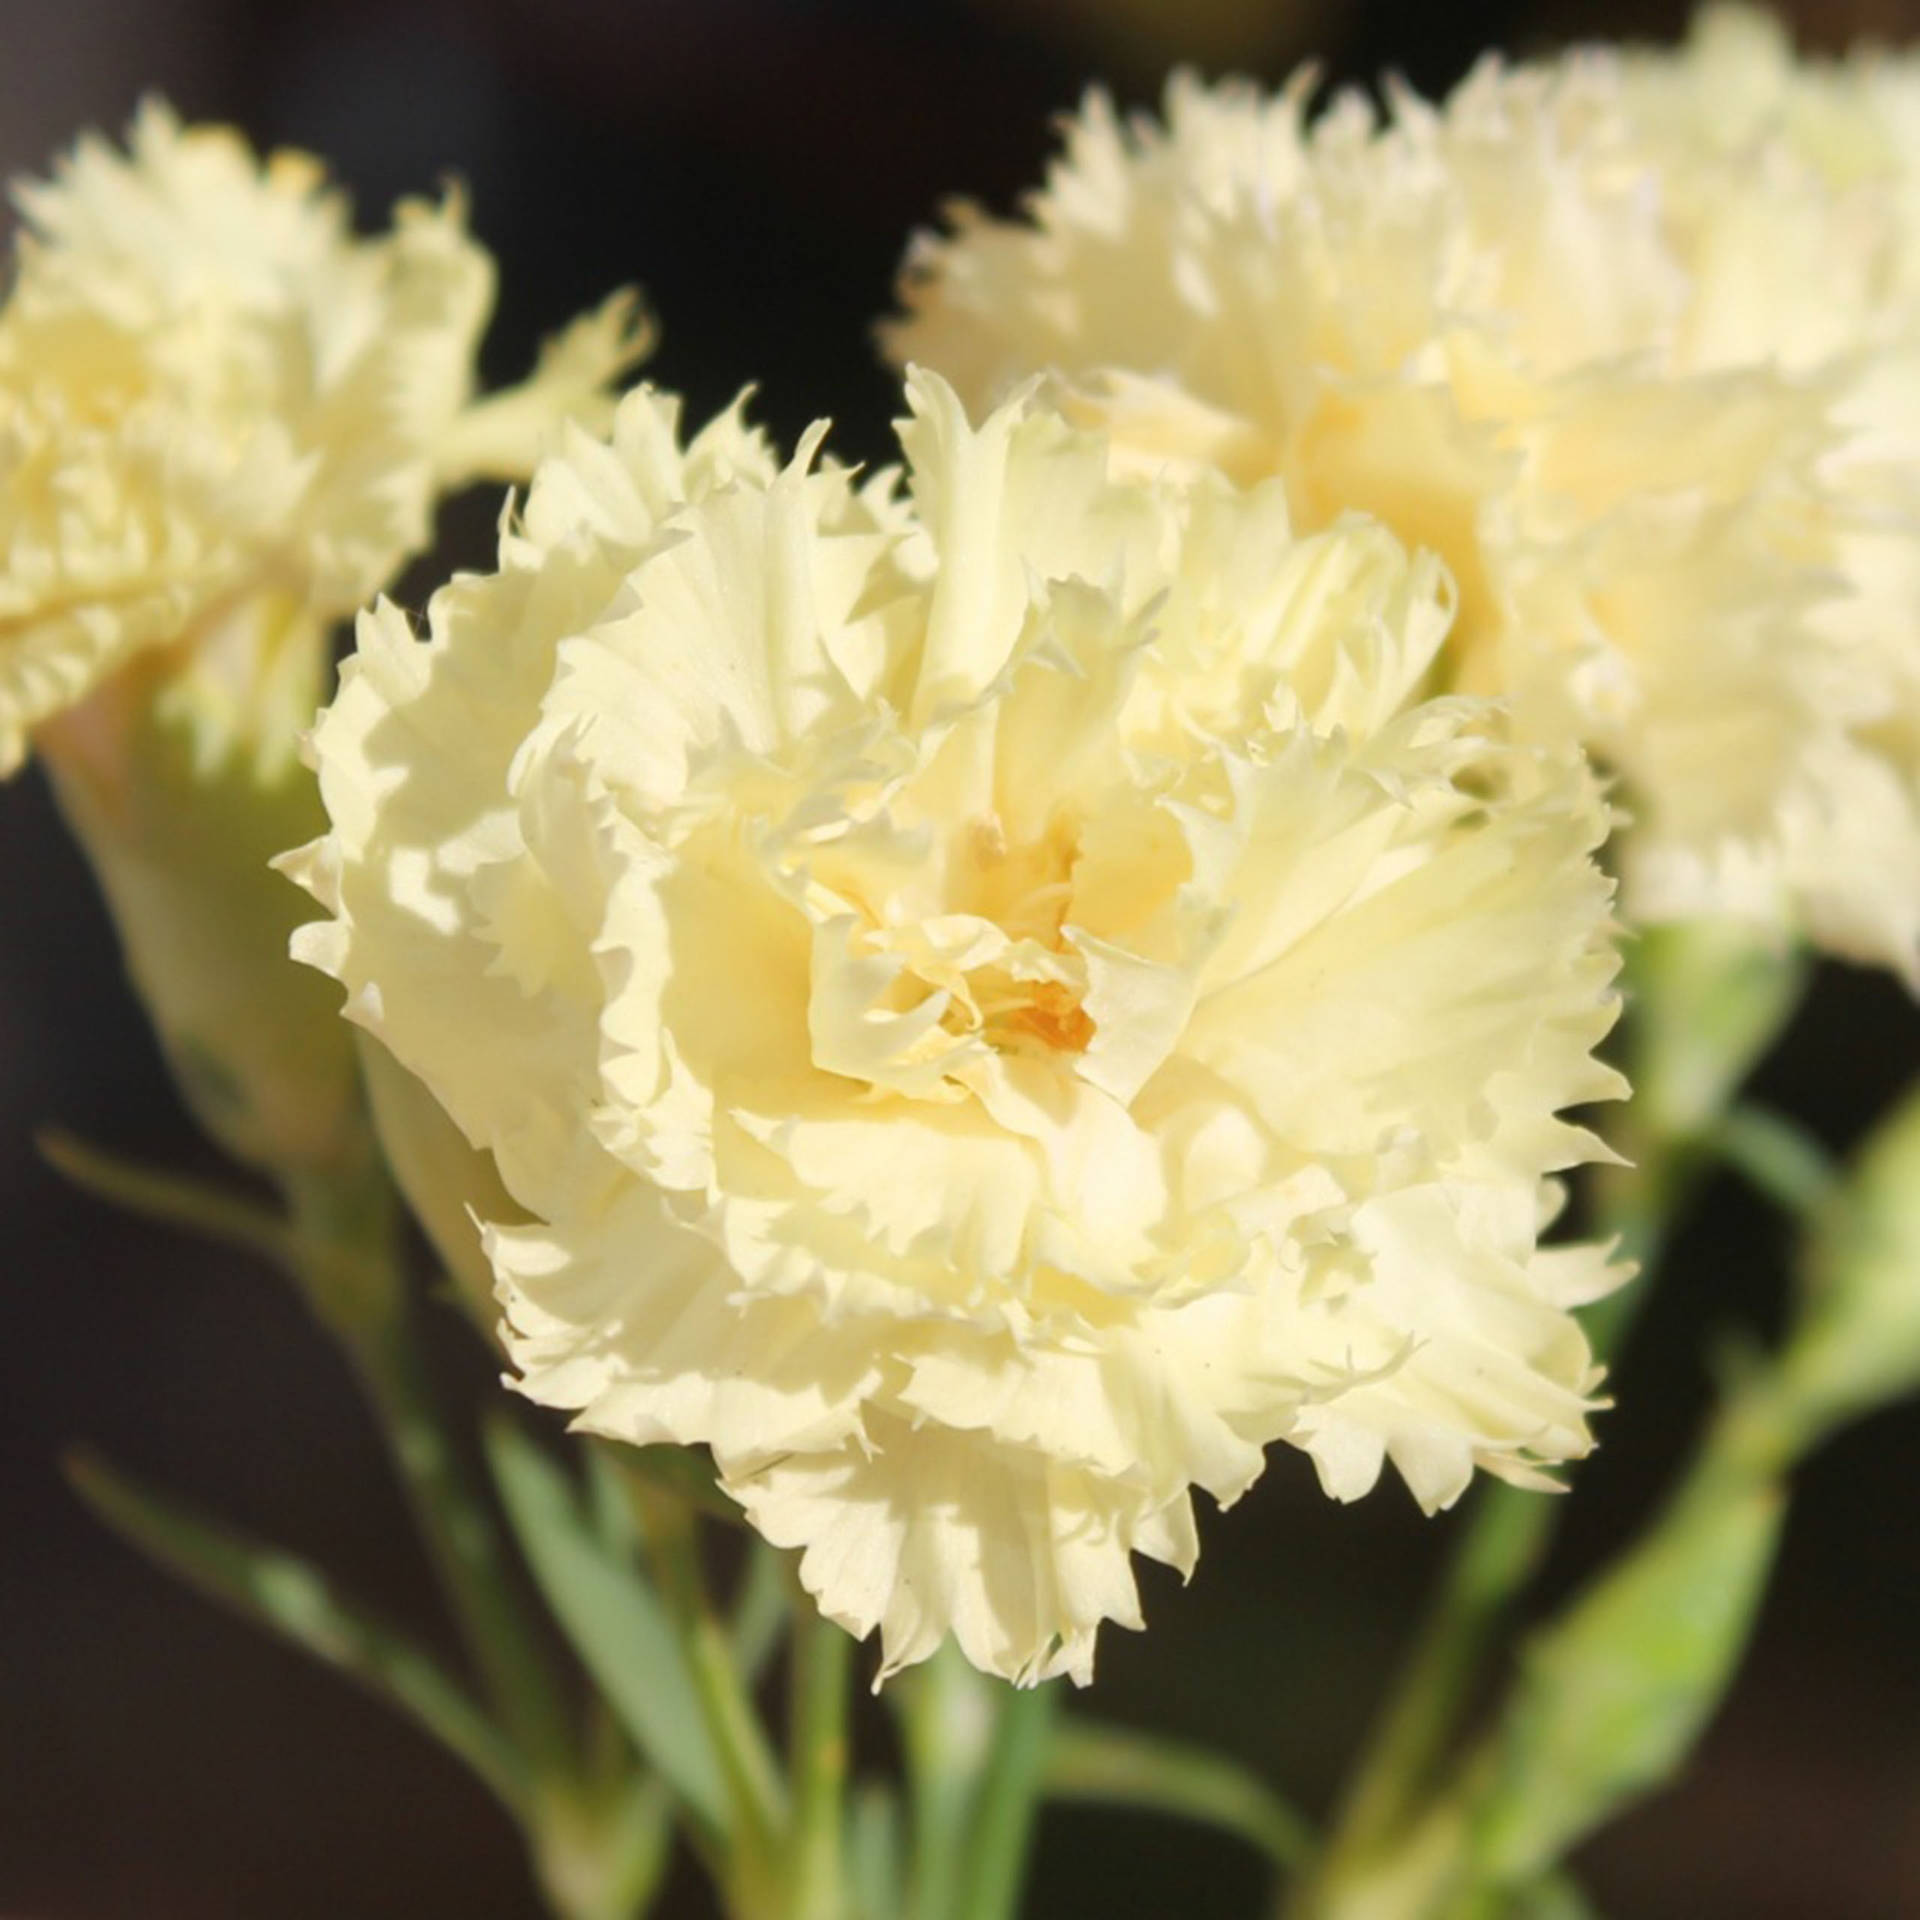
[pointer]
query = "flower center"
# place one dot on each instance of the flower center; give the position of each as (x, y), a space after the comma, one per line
(914, 994)
(1030, 992)
(1054, 1016)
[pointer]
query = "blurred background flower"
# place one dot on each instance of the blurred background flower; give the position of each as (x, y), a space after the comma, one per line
(757, 165)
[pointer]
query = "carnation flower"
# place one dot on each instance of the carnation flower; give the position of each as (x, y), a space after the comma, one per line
(1792, 195)
(210, 388)
(997, 995)
(224, 424)
(1617, 341)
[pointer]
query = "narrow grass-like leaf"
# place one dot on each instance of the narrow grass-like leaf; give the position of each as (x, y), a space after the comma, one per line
(762, 1608)
(172, 1199)
(292, 1598)
(1779, 1158)
(1122, 1768)
(614, 1620)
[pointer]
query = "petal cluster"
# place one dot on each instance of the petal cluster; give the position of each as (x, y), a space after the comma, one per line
(998, 995)
(1626, 339)
(210, 388)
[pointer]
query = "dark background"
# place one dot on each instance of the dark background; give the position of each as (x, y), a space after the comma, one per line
(756, 165)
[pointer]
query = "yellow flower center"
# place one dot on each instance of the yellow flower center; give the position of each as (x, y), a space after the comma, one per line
(1034, 993)
(1054, 1016)
(912, 984)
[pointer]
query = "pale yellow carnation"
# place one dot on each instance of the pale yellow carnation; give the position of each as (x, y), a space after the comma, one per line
(211, 389)
(1639, 412)
(998, 996)
(1791, 191)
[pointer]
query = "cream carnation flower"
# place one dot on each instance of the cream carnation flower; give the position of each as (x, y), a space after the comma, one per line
(209, 388)
(1792, 195)
(997, 996)
(1610, 397)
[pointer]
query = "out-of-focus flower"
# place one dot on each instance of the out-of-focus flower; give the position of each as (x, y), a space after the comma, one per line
(224, 424)
(210, 388)
(998, 996)
(1649, 423)
(1791, 195)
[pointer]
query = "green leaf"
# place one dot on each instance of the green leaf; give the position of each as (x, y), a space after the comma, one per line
(614, 1620)
(292, 1598)
(1123, 1768)
(1778, 1157)
(610, 1501)
(172, 1199)
(1612, 1697)
(762, 1608)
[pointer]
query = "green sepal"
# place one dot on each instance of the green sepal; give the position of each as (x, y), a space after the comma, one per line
(1612, 1696)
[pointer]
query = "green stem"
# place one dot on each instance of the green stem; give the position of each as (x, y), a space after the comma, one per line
(754, 1785)
(1009, 1796)
(1504, 1539)
(1705, 1000)
(346, 1229)
(875, 1871)
(822, 1671)
(948, 1725)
